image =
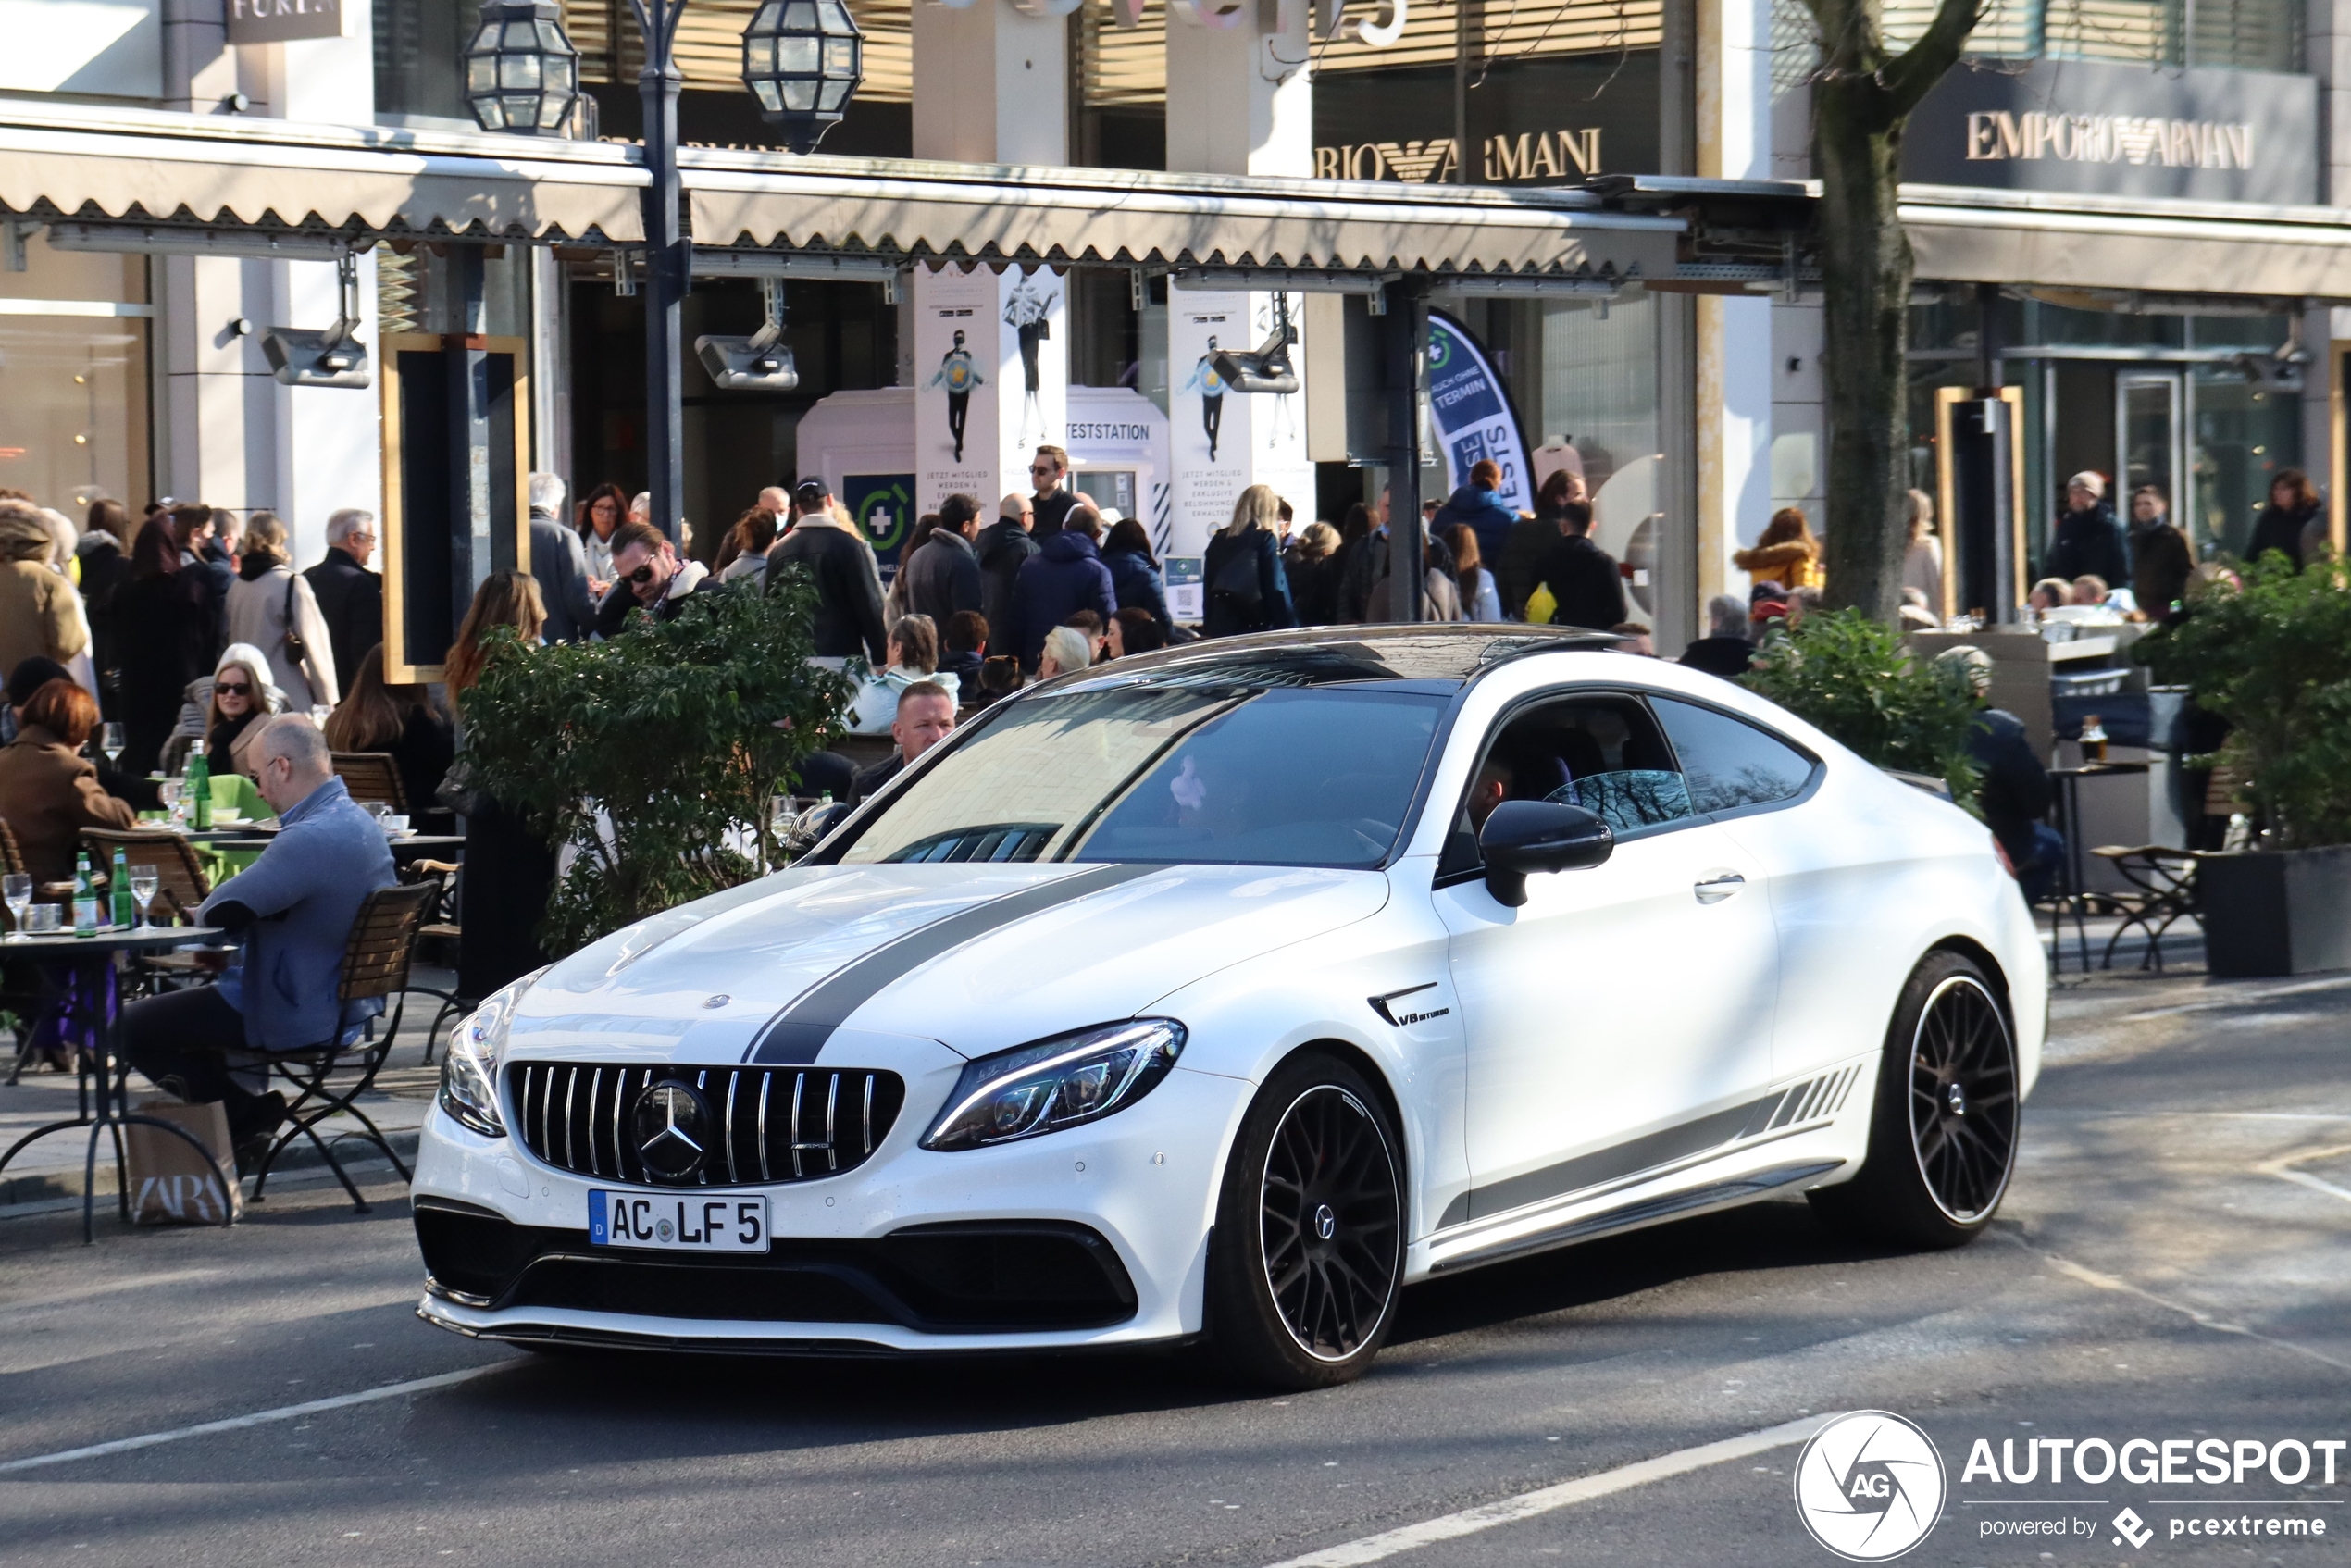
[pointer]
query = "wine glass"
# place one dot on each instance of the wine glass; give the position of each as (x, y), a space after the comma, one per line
(144, 883)
(168, 792)
(17, 889)
(111, 742)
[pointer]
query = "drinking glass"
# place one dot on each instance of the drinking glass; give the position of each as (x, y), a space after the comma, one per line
(144, 883)
(111, 742)
(17, 889)
(45, 919)
(320, 713)
(168, 792)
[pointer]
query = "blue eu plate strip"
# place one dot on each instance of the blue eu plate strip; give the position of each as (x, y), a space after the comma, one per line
(598, 1225)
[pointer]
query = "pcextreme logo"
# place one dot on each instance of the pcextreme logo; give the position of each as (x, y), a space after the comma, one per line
(1868, 1486)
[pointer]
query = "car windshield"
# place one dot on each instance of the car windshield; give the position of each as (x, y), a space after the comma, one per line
(1221, 775)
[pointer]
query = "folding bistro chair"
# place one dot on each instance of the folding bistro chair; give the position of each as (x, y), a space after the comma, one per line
(330, 1078)
(371, 776)
(442, 937)
(2164, 891)
(181, 886)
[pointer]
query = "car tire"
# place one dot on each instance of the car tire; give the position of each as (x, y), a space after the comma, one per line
(1306, 1259)
(1943, 1121)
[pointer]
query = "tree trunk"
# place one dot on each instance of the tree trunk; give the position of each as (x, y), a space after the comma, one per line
(1860, 102)
(1865, 268)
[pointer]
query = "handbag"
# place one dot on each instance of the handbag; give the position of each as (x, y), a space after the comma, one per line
(457, 790)
(296, 649)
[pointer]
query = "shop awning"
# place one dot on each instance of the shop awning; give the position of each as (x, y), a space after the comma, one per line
(70, 161)
(2027, 238)
(1005, 214)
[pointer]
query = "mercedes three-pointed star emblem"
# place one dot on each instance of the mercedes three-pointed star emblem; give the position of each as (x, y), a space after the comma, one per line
(667, 1125)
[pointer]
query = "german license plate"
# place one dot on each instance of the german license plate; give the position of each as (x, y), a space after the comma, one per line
(678, 1221)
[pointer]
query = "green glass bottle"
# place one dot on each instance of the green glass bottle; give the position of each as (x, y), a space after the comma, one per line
(197, 788)
(118, 892)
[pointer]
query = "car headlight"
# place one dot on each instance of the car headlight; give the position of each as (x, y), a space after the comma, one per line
(1056, 1084)
(469, 1069)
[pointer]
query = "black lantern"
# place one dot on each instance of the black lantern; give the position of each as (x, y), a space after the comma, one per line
(521, 72)
(803, 59)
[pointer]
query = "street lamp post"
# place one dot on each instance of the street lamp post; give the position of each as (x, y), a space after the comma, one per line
(803, 59)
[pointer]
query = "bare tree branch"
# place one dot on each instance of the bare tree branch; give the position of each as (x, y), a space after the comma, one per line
(1908, 77)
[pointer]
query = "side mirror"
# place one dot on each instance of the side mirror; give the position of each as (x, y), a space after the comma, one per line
(1525, 837)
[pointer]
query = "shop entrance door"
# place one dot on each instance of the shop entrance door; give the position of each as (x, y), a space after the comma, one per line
(2149, 437)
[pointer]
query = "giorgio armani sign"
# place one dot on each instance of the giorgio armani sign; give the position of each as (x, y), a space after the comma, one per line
(2125, 130)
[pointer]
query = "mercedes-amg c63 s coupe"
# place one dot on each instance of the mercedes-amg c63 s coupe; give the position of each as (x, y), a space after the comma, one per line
(1224, 992)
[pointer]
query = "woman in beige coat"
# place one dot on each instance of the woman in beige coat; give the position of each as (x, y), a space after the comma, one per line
(268, 598)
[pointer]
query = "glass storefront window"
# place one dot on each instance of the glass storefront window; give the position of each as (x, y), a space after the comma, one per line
(2244, 436)
(74, 331)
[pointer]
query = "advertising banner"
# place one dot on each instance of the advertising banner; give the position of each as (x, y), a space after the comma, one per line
(281, 21)
(1224, 442)
(992, 378)
(1470, 413)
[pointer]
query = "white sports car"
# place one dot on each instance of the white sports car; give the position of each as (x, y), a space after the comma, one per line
(1225, 991)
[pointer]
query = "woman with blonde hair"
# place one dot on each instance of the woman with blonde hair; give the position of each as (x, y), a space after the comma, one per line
(1247, 589)
(1922, 561)
(1787, 554)
(272, 607)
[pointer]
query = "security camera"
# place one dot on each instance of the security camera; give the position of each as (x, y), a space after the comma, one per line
(749, 364)
(1269, 369)
(301, 357)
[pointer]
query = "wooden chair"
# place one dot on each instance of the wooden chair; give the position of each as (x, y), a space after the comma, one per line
(181, 885)
(330, 1077)
(371, 776)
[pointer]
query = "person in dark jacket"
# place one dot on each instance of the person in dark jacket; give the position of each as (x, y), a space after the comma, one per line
(966, 652)
(2087, 541)
(104, 565)
(1048, 508)
(2160, 558)
(1366, 567)
(1134, 570)
(193, 528)
(849, 592)
(942, 578)
(1003, 547)
(648, 576)
(1585, 584)
(560, 562)
(1311, 565)
(1724, 650)
(1477, 504)
(1248, 590)
(2292, 524)
(350, 598)
(1530, 539)
(166, 634)
(1066, 575)
(2015, 794)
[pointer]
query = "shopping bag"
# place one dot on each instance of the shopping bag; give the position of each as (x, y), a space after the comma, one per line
(168, 1182)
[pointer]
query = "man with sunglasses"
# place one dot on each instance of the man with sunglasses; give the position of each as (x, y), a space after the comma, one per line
(1051, 504)
(647, 575)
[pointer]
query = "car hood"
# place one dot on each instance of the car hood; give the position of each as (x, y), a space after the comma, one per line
(978, 958)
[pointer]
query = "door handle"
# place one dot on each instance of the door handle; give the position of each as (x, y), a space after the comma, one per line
(1718, 886)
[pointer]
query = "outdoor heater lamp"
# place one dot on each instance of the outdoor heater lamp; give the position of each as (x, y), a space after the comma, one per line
(522, 73)
(803, 59)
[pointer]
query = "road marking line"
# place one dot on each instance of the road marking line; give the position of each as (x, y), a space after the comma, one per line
(1527, 1505)
(260, 1418)
(2282, 1168)
(2197, 1315)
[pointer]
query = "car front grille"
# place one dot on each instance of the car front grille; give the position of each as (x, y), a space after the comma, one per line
(761, 1124)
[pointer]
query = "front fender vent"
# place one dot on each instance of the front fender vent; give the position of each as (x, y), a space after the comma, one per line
(757, 1125)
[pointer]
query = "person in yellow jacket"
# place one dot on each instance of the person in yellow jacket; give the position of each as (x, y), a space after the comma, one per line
(1787, 554)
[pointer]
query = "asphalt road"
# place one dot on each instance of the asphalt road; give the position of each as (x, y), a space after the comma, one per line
(2171, 1265)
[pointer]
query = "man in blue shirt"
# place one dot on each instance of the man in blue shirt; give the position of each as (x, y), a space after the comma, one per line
(293, 910)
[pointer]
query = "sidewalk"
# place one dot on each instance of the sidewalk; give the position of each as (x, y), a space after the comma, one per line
(51, 1170)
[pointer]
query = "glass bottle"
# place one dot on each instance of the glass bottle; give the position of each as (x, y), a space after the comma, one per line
(197, 790)
(118, 892)
(2093, 740)
(85, 897)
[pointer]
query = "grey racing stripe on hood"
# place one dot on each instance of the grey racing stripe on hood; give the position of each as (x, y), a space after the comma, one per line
(795, 1035)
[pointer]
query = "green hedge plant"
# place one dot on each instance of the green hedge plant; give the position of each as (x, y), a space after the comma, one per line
(2274, 658)
(1852, 677)
(655, 756)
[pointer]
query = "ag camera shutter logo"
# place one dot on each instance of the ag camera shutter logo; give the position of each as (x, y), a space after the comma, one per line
(1868, 1486)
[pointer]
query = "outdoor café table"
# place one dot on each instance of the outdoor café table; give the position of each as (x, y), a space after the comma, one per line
(89, 963)
(2067, 781)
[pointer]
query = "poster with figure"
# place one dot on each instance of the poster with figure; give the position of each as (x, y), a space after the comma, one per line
(1223, 441)
(991, 379)
(1470, 413)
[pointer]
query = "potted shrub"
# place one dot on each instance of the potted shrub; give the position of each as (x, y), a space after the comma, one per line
(2272, 657)
(1853, 679)
(655, 758)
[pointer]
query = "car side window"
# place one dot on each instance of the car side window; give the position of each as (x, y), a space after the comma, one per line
(1729, 763)
(1600, 752)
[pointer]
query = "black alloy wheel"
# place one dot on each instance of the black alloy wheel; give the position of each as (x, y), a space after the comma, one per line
(1963, 1099)
(1328, 1222)
(1944, 1120)
(1308, 1256)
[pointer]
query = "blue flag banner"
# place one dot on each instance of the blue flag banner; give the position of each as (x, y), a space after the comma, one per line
(1471, 415)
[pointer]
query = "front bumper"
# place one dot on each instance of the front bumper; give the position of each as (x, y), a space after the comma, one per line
(1095, 1236)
